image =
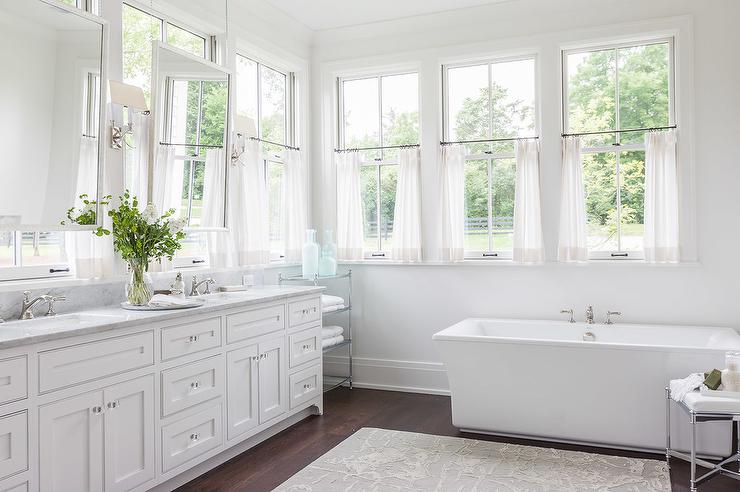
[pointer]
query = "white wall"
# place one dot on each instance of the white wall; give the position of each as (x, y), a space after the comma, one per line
(398, 308)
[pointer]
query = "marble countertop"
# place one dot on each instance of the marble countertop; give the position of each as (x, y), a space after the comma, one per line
(43, 329)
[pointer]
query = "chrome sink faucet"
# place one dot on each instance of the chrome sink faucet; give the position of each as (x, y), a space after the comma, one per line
(590, 315)
(29, 304)
(195, 285)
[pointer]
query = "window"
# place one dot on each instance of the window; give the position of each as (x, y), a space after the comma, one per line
(140, 28)
(267, 96)
(27, 255)
(379, 111)
(486, 101)
(193, 118)
(623, 87)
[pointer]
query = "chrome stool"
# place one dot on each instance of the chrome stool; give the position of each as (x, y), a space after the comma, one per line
(697, 417)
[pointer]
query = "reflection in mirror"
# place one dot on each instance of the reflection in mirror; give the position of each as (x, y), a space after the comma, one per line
(51, 99)
(191, 101)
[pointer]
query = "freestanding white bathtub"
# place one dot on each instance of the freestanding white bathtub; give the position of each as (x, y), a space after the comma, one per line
(540, 379)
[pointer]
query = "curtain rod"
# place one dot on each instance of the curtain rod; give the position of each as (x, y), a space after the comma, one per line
(274, 143)
(487, 140)
(385, 147)
(192, 145)
(609, 132)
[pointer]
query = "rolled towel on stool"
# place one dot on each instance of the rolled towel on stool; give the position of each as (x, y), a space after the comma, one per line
(681, 387)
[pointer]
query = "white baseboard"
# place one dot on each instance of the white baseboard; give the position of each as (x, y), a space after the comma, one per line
(392, 375)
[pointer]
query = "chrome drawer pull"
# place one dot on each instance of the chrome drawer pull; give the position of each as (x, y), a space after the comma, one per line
(193, 338)
(195, 385)
(194, 436)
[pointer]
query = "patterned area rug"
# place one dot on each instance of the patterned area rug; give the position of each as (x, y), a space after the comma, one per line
(384, 460)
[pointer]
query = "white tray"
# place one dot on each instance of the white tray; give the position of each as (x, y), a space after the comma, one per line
(194, 303)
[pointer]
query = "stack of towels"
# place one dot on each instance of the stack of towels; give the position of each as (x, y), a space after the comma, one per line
(331, 303)
(331, 336)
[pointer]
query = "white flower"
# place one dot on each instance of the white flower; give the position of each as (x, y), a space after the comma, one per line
(150, 214)
(90, 207)
(177, 225)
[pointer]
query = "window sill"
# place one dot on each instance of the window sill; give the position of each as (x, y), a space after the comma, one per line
(500, 262)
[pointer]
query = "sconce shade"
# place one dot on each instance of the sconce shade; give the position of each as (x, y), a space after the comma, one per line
(127, 95)
(245, 125)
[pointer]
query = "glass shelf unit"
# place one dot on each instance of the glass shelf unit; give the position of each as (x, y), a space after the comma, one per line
(331, 382)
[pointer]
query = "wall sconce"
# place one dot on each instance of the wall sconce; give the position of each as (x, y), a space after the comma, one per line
(128, 96)
(244, 128)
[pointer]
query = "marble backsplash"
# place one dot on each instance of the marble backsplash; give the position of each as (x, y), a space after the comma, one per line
(103, 293)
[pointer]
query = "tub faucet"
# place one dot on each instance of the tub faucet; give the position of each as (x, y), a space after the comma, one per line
(195, 285)
(609, 315)
(568, 311)
(590, 315)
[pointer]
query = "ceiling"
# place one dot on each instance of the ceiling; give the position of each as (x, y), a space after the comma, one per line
(329, 14)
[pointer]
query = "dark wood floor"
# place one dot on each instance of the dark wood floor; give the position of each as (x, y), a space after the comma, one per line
(269, 464)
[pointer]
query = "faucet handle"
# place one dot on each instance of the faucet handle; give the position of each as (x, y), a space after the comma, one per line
(50, 300)
(568, 311)
(26, 295)
(609, 314)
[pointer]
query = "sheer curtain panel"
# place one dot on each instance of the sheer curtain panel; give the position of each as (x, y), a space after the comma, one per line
(350, 236)
(452, 202)
(529, 246)
(406, 242)
(572, 239)
(296, 204)
(88, 248)
(661, 198)
(168, 177)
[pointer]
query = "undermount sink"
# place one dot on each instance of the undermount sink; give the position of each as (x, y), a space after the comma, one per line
(229, 296)
(61, 321)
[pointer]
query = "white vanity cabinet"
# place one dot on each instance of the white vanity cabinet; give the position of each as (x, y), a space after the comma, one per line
(99, 440)
(153, 403)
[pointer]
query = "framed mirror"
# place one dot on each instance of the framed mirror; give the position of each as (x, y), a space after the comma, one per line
(190, 137)
(52, 94)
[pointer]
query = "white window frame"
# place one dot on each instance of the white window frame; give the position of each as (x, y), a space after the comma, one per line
(19, 271)
(618, 148)
(165, 20)
(491, 254)
(378, 253)
(291, 121)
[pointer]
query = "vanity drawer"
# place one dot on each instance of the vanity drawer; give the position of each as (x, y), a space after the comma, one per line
(190, 437)
(73, 365)
(191, 338)
(305, 346)
(14, 444)
(305, 385)
(185, 386)
(250, 324)
(13, 379)
(304, 311)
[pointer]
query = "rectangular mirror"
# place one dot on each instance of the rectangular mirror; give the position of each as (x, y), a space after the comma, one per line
(190, 101)
(53, 60)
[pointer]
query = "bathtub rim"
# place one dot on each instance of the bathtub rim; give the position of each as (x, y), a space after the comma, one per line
(441, 336)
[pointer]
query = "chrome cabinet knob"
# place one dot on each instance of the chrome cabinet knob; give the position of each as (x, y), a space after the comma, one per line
(96, 410)
(193, 338)
(113, 404)
(195, 385)
(194, 436)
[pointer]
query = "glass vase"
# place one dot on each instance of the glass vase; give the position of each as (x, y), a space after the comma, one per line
(310, 255)
(140, 287)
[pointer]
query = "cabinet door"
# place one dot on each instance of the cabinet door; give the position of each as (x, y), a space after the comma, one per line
(272, 379)
(129, 434)
(71, 444)
(242, 390)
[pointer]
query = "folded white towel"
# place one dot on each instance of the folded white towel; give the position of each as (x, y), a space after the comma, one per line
(327, 300)
(164, 300)
(331, 309)
(330, 342)
(331, 332)
(681, 387)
